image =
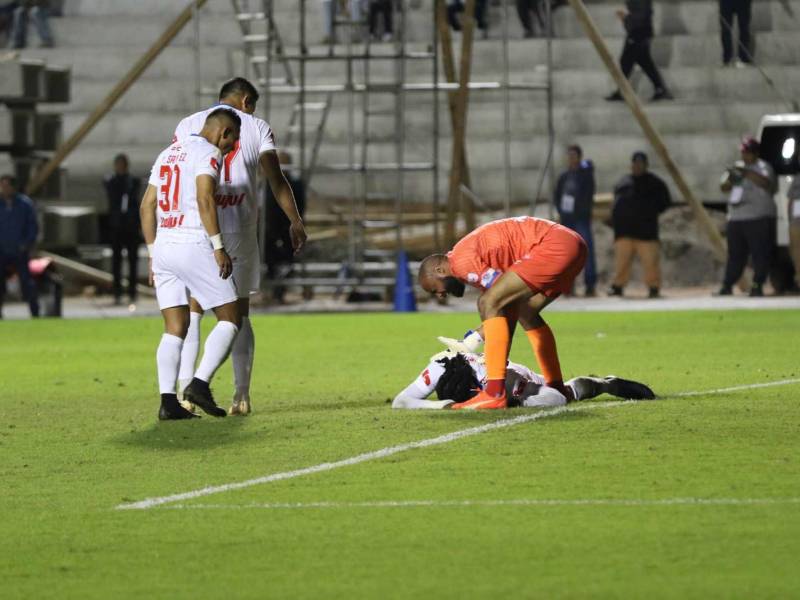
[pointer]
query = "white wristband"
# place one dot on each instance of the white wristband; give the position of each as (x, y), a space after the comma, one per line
(150, 250)
(216, 241)
(473, 341)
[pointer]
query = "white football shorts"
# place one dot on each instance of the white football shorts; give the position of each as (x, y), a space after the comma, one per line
(181, 269)
(243, 250)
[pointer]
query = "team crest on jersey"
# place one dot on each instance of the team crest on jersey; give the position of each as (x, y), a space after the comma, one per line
(472, 277)
(489, 277)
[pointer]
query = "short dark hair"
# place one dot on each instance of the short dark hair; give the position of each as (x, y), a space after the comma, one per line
(224, 113)
(10, 179)
(576, 149)
(238, 86)
(121, 156)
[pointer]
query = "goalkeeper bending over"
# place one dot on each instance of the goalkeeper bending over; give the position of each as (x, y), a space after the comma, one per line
(459, 376)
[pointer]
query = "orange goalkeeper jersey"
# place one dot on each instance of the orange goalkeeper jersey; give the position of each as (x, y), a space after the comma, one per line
(483, 255)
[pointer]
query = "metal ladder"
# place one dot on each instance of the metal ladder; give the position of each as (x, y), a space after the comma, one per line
(263, 46)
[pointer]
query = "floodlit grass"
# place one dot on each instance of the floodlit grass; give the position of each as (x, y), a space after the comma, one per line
(78, 436)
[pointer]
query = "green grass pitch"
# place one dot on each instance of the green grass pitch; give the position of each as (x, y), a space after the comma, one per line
(79, 436)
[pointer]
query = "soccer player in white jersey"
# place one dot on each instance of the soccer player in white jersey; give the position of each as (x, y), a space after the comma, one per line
(237, 208)
(458, 376)
(180, 227)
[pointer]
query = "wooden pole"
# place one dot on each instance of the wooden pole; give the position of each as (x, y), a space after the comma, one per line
(113, 97)
(653, 136)
(449, 65)
(455, 197)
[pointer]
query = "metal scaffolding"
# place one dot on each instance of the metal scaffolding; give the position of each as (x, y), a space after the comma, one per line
(265, 50)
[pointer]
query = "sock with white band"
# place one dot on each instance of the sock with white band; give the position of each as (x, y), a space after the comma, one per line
(168, 359)
(216, 349)
(191, 348)
(242, 355)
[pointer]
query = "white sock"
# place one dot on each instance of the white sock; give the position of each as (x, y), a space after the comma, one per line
(217, 347)
(242, 358)
(168, 360)
(191, 348)
(547, 396)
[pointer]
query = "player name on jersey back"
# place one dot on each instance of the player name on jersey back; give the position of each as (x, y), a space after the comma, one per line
(174, 175)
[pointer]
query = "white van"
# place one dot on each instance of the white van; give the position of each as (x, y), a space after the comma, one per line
(779, 136)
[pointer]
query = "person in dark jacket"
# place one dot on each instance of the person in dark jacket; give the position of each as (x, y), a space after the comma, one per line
(278, 251)
(18, 231)
(574, 199)
(638, 21)
(639, 199)
(124, 194)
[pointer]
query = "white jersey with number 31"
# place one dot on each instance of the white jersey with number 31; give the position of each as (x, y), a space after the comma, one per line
(174, 176)
(237, 193)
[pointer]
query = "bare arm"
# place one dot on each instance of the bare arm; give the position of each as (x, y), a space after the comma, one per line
(206, 186)
(284, 196)
(147, 215)
(758, 179)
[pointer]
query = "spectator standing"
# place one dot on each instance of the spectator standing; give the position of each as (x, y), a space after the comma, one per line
(18, 231)
(124, 195)
(794, 225)
(751, 184)
(638, 21)
(524, 9)
(384, 8)
(330, 8)
(456, 7)
(740, 9)
(639, 199)
(574, 200)
(278, 252)
(39, 12)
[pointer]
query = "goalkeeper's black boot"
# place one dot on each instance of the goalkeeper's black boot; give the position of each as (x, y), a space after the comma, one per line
(199, 393)
(625, 388)
(171, 410)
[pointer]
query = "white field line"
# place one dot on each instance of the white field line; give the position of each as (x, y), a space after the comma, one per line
(516, 502)
(737, 388)
(391, 450)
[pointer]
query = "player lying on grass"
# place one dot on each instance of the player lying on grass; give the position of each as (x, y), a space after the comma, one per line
(457, 377)
(187, 256)
(520, 265)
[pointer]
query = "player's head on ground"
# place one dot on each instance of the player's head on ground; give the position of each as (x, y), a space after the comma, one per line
(458, 382)
(222, 129)
(435, 277)
(239, 93)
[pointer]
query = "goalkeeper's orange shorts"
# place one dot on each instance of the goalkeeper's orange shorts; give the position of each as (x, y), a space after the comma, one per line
(552, 265)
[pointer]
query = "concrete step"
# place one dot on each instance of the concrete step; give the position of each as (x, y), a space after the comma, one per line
(152, 8)
(175, 63)
(118, 31)
(485, 121)
(670, 18)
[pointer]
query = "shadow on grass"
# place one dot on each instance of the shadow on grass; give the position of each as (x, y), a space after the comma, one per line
(204, 433)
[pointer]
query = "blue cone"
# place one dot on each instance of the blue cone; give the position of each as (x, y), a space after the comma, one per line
(404, 300)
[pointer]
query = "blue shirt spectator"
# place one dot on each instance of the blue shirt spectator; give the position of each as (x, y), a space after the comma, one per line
(18, 227)
(574, 200)
(18, 231)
